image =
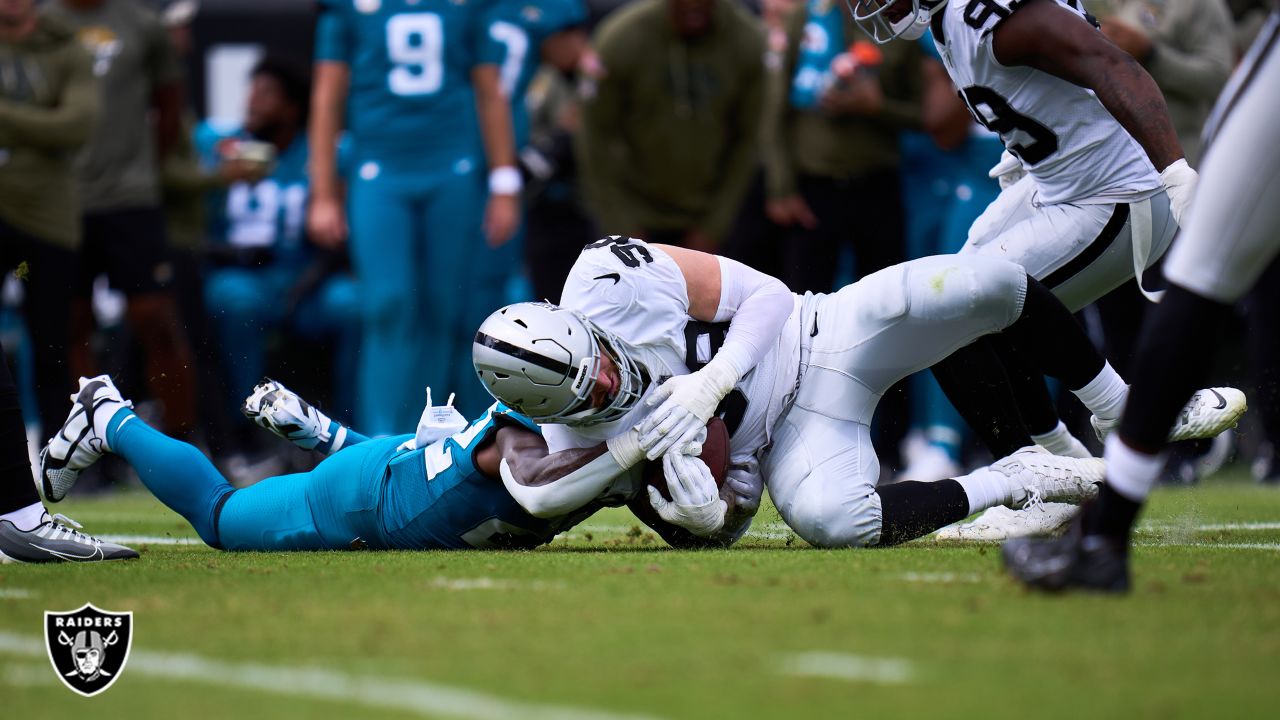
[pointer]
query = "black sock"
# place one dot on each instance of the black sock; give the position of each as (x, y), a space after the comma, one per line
(911, 509)
(1029, 390)
(1052, 340)
(1111, 515)
(16, 488)
(1170, 365)
(974, 380)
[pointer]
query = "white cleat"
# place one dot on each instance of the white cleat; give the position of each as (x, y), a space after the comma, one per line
(80, 441)
(1207, 414)
(275, 407)
(1042, 519)
(1038, 476)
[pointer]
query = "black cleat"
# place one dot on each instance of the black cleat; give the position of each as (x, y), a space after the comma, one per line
(1074, 561)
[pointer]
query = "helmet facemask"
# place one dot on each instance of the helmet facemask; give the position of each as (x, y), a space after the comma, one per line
(885, 20)
(631, 380)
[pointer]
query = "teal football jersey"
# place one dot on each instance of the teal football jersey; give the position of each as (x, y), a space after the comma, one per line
(436, 498)
(516, 30)
(410, 96)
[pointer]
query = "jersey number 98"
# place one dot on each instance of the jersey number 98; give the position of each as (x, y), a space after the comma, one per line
(415, 44)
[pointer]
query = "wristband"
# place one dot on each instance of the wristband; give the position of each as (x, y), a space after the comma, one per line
(505, 180)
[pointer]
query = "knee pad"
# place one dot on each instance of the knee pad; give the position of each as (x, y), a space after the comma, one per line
(830, 522)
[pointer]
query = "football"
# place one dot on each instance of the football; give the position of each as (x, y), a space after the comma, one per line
(715, 453)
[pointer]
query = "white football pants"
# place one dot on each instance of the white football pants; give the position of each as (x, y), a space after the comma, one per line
(855, 344)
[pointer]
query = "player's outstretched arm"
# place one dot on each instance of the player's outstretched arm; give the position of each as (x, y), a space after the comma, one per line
(1047, 36)
(552, 484)
(754, 304)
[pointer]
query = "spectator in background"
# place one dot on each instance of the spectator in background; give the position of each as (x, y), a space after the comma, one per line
(834, 162)
(524, 34)
(265, 275)
(670, 129)
(123, 225)
(945, 188)
(423, 112)
(48, 106)
(1186, 45)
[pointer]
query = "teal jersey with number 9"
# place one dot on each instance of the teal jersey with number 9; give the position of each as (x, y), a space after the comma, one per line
(410, 97)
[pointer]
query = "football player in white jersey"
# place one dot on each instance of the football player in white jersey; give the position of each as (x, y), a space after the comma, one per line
(1232, 235)
(652, 340)
(1103, 179)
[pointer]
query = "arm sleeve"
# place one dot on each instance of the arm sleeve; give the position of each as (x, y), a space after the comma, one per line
(333, 37)
(744, 154)
(756, 306)
(1200, 68)
(66, 125)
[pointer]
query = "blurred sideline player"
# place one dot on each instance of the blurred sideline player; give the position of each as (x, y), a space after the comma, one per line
(651, 340)
(1105, 182)
(436, 489)
(1233, 234)
(422, 114)
(266, 274)
(522, 34)
(28, 533)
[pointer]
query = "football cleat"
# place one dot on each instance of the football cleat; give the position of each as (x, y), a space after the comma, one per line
(929, 463)
(1073, 561)
(80, 441)
(1041, 519)
(57, 538)
(1207, 414)
(1039, 476)
(275, 407)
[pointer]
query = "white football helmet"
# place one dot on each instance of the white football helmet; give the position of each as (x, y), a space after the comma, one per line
(876, 18)
(542, 361)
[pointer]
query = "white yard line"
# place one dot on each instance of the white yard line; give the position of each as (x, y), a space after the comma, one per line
(941, 577)
(151, 540)
(15, 593)
(487, 583)
(423, 698)
(842, 666)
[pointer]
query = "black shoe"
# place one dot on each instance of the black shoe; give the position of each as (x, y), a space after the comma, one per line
(1074, 561)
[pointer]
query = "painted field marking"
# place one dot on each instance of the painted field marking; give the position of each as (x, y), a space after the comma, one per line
(423, 698)
(15, 594)
(842, 666)
(151, 540)
(941, 577)
(487, 583)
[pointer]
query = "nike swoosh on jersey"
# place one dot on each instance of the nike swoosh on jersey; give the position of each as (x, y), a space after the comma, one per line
(1222, 402)
(814, 331)
(615, 277)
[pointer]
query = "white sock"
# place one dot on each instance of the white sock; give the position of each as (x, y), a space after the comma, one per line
(1105, 394)
(1129, 472)
(1058, 441)
(986, 488)
(26, 518)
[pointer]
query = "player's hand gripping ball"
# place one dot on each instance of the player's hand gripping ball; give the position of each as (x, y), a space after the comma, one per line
(715, 453)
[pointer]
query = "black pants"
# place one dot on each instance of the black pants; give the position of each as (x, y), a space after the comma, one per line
(50, 272)
(865, 213)
(16, 488)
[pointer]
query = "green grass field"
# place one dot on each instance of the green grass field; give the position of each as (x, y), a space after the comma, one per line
(607, 623)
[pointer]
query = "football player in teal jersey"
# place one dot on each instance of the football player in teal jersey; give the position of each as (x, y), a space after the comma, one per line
(438, 489)
(265, 274)
(523, 35)
(424, 113)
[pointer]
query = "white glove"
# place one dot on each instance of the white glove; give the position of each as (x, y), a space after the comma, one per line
(1008, 171)
(695, 503)
(687, 404)
(1180, 183)
(275, 407)
(437, 422)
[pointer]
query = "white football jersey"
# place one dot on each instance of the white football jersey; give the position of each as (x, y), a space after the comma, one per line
(1069, 144)
(637, 292)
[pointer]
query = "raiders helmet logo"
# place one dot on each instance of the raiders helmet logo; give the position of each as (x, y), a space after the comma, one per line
(88, 647)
